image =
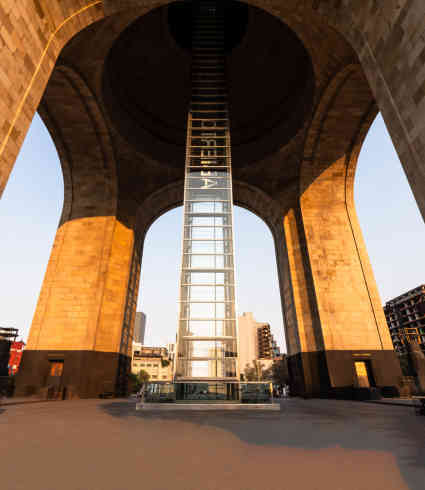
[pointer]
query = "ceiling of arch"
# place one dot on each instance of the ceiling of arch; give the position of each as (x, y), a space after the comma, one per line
(138, 74)
(147, 84)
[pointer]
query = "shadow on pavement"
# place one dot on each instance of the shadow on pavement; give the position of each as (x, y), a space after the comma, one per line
(313, 424)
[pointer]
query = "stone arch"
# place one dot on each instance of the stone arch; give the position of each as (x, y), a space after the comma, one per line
(69, 106)
(269, 210)
(245, 195)
(43, 33)
(343, 39)
(370, 29)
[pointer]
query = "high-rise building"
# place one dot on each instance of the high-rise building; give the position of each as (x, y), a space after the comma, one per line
(207, 332)
(405, 316)
(139, 328)
(256, 342)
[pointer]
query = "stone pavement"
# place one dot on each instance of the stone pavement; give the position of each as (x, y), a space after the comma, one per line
(310, 444)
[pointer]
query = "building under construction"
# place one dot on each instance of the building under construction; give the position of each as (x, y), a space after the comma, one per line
(405, 316)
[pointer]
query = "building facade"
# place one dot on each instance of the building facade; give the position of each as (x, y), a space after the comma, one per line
(139, 328)
(153, 360)
(405, 317)
(256, 342)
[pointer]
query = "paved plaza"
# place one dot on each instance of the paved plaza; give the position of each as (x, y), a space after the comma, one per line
(310, 444)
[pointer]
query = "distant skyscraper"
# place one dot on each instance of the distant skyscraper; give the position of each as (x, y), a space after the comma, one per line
(139, 328)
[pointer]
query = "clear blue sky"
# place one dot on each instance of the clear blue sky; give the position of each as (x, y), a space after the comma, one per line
(31, 206)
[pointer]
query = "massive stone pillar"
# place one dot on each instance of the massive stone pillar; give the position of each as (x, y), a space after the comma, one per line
(84, 316)
(335, 323)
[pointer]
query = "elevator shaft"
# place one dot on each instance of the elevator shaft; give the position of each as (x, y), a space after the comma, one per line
(207, 335)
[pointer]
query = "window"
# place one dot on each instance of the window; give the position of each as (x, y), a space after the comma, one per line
(56, 368)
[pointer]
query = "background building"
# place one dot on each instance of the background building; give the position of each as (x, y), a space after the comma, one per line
(153, 360)
(7, 337)
(139, 328)
(171, 351)
(256, 342)
(405, 316)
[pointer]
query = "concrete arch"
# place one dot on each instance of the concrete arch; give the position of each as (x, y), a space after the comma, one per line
(369, 29)
(244, 195)
(304, 188)
(77, 164)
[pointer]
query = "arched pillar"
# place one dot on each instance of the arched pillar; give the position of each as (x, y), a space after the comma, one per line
(33, 34)
(340, 317)
(85, 312)
(389, 42)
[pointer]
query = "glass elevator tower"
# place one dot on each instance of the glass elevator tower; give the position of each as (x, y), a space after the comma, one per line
(206, 360)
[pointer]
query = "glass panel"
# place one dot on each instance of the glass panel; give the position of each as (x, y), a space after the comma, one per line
(208, 195)
(202, 293)
(219, 293)
(208, 246)
(208, 182)
(202, 207)
(201, 310)
(202, 328)
(204, 348)
(198, 369)
(200, 277)
(200, 247)
(219, 261)
(201, 261)
(202, 220)
(205, 233)
(219, 278)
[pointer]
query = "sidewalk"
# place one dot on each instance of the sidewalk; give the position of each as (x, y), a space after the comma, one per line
(21, 400)
(401, 402)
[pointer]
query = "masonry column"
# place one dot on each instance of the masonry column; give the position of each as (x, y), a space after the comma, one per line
(347, 330)
(80, 338)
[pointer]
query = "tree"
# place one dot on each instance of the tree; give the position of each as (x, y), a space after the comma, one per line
(280, 373)
(256, 372)
(250, 373)
(267, 374)
(143, 376)
(134, 382)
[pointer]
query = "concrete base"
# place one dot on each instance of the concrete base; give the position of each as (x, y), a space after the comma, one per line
(207, 406)
(86, 374)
